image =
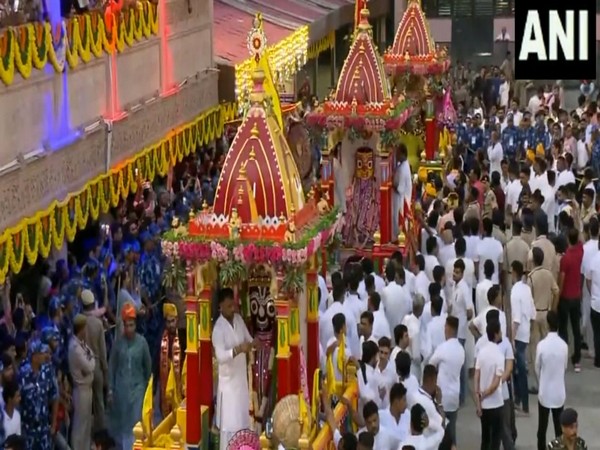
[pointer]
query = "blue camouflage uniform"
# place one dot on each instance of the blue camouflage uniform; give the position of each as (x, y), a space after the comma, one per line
(510, 141)
(526, 138)
(541, 136)
(38, 392)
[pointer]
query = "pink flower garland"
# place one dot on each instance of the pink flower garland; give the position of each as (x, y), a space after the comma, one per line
(244, 253)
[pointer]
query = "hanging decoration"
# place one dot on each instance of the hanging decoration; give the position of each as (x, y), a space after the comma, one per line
(78, 40)
(49, 228)
(286, 57)
(320, 46)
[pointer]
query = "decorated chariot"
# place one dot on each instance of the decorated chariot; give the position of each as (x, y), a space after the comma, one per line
(362, 120)
(264, 238)
(417, 69)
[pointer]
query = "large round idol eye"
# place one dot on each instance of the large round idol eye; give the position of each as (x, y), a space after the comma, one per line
(271, 309)
(359, 164)
(254, 307)
(370, 165)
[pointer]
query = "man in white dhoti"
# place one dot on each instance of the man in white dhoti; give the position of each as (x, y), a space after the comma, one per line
(402, 188)
(232, 342)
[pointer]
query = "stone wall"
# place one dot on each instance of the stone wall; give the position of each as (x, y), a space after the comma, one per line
(158, 84)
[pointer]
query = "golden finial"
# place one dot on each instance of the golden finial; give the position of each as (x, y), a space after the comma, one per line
(192, 215)
(423, 155)
(377, 237)
(175, 436)
(364, 24)
(252, 155)
(243, 170)
(258, 94)
(282, 218)
(254, 133)
(401, 238)
(138, 433)
(240, 200)
(204, 206)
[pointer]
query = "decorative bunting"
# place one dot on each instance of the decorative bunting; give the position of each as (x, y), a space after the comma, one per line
(61, 220)
(80, 39)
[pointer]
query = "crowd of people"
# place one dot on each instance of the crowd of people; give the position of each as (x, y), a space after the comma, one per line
(486, 310)
(78, 348)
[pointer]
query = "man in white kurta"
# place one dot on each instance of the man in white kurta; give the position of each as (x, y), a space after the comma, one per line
(232, 342)
(402, 188)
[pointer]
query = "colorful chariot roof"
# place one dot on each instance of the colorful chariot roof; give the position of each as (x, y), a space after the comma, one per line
(414, 50)
(362, 97)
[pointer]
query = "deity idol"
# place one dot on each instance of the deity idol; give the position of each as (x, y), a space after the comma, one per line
(363, 205)
(262, 321)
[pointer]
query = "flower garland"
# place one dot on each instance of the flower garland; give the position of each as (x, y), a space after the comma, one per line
(197, 250)
(80, 39)
(48, 229)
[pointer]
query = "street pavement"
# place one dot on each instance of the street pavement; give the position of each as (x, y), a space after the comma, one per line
(583, 394)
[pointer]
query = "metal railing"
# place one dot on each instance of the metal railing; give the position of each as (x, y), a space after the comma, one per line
(469, 8)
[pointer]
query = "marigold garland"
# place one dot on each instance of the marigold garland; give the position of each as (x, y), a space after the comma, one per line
(49, 228)
(80, 39)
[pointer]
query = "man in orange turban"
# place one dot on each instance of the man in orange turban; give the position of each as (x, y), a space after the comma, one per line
(130, 367)
(170, 356)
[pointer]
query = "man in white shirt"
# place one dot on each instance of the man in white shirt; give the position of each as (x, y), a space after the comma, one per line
(11, 416)
(449, 358)
(590, 250)
(434, 334)
(563, 176)
(489, 369)
(460, 247)
(523, 312)
(386, 369)
(461, 307)
(396, 298)
(381, 326)
(326, 332)
(484, 285)
(428, 396)
(413, 324)
(592, 278)
(368, 269)
(394, 418)
(513, 190)
(551, 362)
(402, 342)
(493, 315)
(478, 324)
(431, 259)
(421, 279)
(353, 301)
(489, 248)
(384, 440)
(495, 153)
(536, 102)
(403, 184)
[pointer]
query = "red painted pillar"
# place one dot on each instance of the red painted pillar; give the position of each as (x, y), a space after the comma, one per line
(192, 395)
(430, 130)
(312, 322)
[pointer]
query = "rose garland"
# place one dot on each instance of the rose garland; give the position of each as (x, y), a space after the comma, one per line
(48, 229)
(33, 45)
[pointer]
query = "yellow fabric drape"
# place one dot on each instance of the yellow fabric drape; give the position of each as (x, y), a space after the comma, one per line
(147, 409)
(171, 390)
(337, 387)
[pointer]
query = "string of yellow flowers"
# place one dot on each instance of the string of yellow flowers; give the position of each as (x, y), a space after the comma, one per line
(34, 45)
(37, 235)
(320, 46)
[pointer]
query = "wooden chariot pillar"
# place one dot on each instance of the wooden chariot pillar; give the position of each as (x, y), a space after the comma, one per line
(284, 356)
(192, 395)
(385, 193)
(327, 174)
(430, 130)
(312, 320)
(295, 346)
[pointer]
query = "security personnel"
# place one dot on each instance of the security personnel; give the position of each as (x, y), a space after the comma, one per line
(510, 139)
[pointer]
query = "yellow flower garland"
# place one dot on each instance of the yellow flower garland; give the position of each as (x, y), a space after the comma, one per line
(37, 235)
(88, 38)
